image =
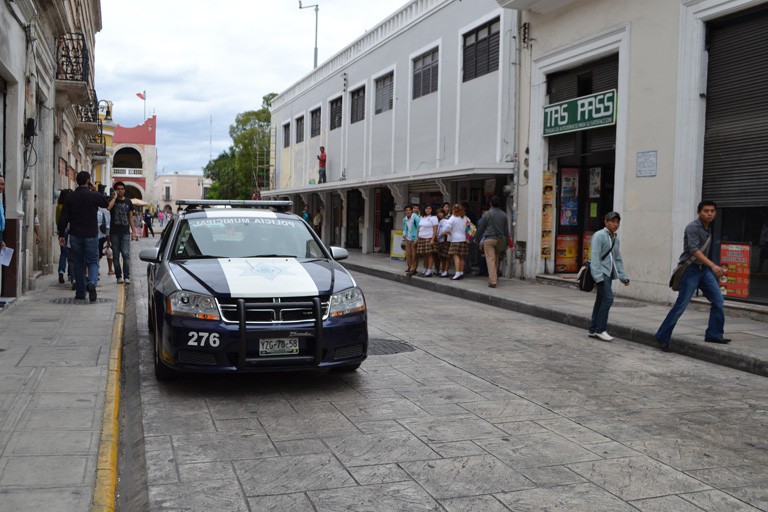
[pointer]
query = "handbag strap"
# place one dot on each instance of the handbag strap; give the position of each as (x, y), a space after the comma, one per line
(702, 248)
(609, 250)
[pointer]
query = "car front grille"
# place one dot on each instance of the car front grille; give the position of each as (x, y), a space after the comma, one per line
(196, 358)
(272, 310)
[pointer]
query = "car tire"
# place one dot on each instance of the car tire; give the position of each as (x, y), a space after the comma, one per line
(162, 372)
(347, 367)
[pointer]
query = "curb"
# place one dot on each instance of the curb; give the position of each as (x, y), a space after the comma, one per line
(694, 349)
(105, 488)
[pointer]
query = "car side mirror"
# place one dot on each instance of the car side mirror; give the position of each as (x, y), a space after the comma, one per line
(339, 253)
(151, 255)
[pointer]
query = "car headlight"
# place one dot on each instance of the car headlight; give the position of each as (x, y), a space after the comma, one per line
(349, 301)
(193, 305)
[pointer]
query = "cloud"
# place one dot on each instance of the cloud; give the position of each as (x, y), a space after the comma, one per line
(199, 61)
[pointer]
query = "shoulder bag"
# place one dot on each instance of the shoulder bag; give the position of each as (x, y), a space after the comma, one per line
(584, 277)
(677, 275)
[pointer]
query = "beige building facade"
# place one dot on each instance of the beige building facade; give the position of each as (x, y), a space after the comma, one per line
(676, 75)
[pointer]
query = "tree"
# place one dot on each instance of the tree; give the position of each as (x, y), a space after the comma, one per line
(246, 163)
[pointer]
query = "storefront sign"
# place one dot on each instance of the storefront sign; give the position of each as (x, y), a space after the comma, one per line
(548, 206)
(586, 245)
(580, 113)
(565, 253)
(734, 258)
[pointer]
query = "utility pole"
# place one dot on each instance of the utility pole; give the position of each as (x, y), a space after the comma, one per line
(317, 7)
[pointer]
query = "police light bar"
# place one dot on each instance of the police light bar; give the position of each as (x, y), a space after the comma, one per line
(263, 203)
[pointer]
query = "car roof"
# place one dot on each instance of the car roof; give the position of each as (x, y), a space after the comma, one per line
(224, 213)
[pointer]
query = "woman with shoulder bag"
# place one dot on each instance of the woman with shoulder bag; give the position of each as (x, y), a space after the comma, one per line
(604, 270)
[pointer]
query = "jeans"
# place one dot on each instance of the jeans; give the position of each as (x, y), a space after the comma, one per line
(321, 172)
(702, 278)
(603, 303)
(63, 255)
(121, 250)
(84, 253)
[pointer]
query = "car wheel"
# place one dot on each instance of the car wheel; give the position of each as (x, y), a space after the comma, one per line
(150, 320)
(347, 367)
(162, 372)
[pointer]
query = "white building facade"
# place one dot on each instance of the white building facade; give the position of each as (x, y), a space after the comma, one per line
(420, 109)
(645, 108)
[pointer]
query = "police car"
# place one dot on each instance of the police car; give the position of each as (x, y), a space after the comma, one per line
(241, 286)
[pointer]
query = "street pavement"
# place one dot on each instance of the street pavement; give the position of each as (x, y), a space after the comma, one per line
(54, 370)
(559, 300)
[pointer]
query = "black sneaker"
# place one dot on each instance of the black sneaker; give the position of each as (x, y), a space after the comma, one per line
(92, 292)
(722, 341)
(61, 278)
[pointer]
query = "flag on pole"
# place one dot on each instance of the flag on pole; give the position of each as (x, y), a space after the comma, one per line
(140, 95)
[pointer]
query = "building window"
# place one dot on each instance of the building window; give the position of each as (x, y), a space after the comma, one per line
(314, 129)
(385, 92)
(358, 105)
(167, 195)
(300, 129)
(286, 135)
(335, 113)
(481, 50)
(425, 72)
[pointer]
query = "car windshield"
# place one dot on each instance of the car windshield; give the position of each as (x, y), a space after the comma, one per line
(244, 237)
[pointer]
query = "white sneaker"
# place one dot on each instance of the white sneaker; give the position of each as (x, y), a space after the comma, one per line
(128, 281)
(592, 334)
(604, 336)
(120, 280)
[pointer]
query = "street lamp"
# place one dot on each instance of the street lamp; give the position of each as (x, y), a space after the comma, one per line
(317, 7)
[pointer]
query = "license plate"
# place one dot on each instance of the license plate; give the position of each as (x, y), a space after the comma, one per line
(278, 346)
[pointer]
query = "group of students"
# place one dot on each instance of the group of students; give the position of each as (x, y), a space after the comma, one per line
(446, 235)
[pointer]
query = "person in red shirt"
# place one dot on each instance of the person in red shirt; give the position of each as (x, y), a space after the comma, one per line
(321, 164)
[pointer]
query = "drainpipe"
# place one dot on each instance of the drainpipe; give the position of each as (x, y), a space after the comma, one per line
(510, 269)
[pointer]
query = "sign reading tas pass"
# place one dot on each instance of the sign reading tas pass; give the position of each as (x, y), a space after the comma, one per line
(580, 113)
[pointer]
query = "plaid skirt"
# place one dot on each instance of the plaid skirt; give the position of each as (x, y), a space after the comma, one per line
(443, 248)
(458, 249)
(424, 246)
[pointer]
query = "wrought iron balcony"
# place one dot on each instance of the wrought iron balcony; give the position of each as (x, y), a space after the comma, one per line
(88, 120)
(73, 68)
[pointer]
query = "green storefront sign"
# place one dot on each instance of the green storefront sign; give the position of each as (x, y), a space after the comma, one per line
(583, 113)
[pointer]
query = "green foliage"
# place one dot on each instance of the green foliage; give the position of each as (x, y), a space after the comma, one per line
(245, 164)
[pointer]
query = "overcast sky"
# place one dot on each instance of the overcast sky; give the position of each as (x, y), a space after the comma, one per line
(201, 58)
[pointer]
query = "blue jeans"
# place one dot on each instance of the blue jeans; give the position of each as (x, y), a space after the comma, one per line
(63, 253)
(121, 249)
(703, 279)
(84, 253)
(602, 307)
(321, 178)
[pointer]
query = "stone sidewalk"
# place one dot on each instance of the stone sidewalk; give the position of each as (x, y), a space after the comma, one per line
(630, 319)
(54, 358)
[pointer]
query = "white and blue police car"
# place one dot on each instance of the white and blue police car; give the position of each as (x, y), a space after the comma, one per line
(242, 286)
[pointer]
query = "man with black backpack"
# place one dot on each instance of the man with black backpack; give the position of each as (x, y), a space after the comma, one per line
(605, 266)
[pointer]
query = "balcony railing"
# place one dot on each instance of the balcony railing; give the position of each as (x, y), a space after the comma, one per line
(72, 60)
(127, 171)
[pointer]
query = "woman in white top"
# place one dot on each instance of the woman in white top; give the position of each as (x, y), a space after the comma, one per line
(443, 245)
(457, 236)
(425, 245)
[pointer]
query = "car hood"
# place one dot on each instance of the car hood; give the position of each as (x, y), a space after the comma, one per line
(261, 277)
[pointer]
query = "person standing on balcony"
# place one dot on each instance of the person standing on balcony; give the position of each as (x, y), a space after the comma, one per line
(321, 158)
(120, 230)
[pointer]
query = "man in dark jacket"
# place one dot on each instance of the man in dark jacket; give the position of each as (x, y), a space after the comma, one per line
(491, 227)
(80, 213)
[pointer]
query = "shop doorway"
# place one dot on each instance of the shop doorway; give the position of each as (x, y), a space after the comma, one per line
(584, 196)
(336, 220)
(383, 219)
(355, 212)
